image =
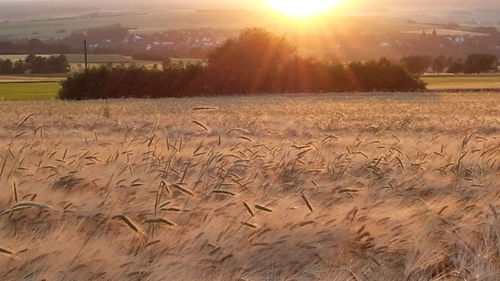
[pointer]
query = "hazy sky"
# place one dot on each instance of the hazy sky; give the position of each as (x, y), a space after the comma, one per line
(252, 2)
(360, 5)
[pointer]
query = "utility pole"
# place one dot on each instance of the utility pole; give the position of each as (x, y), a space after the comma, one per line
(85, 51)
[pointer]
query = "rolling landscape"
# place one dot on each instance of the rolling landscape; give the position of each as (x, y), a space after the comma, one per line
(249, 140)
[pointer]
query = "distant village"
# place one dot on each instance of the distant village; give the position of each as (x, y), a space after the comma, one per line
(193, 43)
(443, 40)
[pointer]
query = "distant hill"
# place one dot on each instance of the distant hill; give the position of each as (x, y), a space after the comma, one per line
(479, 10)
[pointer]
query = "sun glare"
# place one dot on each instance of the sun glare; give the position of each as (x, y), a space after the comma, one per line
(303, 8)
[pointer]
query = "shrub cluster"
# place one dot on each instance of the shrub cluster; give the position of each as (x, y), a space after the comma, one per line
(255, 62)
(133, 82)
(35, 64)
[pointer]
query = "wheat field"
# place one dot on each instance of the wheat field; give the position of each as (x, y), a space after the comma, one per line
(292, 187)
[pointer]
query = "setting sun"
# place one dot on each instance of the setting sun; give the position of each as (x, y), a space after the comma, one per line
(303, 8)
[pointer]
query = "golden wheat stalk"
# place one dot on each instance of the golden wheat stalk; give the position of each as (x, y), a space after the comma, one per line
(25, 119)
(171, 209)
(165, 204)
(182, 189)
(308, 204)
(14, 192)
(8, 253)
(245, 138)
(262, 208)
(224, 192)
(196, 108)
(249, 210)
(12, 210)
(5, 251)
(201, 125)
(133, 226)
(248, 224)
(159, 221)
(30, 204)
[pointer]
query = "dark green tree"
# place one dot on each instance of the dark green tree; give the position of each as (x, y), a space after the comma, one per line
(248, 62)
(456, 67)
(6, 66)
(478, 63)
(416, 64)
(438, 64)
(57, 64)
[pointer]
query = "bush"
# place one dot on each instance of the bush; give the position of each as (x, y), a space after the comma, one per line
(255, 62)
(133, 82)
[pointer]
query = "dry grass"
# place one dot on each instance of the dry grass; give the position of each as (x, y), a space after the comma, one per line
(344, 187)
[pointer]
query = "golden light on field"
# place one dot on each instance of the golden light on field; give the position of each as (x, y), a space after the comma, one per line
(303, 8)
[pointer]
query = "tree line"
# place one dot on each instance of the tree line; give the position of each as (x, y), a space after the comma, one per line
(474, 63)
(255, 62)
(35, 64)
